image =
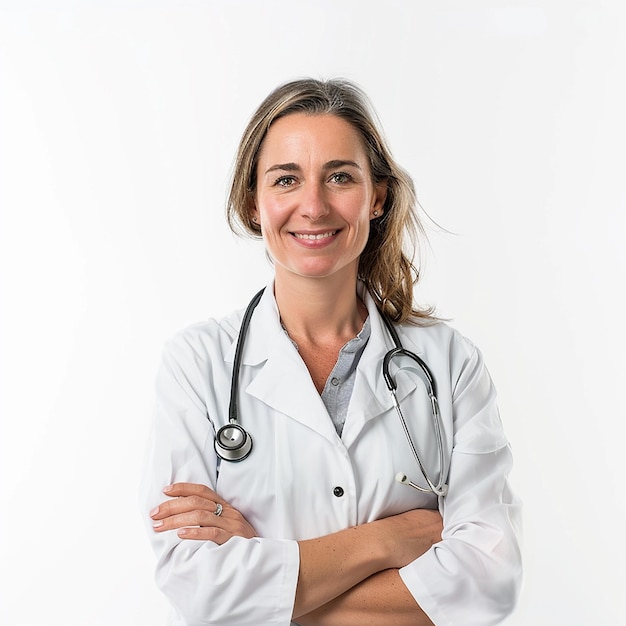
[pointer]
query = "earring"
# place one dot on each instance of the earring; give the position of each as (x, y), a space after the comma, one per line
(375, 213)
(254, 220)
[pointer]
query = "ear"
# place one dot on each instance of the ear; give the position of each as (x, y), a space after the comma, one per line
(253, 212)
(380, 195)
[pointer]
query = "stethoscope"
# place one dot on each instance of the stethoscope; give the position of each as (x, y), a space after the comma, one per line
(233, 443)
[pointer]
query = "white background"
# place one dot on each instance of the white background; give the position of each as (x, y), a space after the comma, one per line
(118, 125)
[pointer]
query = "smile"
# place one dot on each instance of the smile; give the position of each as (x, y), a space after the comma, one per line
(315, 237)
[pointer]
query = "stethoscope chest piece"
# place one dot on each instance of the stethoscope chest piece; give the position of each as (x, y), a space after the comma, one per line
(233, 443)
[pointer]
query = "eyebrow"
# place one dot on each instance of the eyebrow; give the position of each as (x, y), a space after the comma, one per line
(294, 167)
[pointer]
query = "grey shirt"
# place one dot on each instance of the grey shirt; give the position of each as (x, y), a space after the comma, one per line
(338, 388)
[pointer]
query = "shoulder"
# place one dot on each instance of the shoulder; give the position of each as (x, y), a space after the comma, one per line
(438, 338)
(215, 340)
(206, 340)
(451, 354)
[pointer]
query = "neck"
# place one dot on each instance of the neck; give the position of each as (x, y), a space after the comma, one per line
(320, 310)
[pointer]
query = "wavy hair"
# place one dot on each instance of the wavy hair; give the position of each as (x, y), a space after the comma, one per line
(386, 264)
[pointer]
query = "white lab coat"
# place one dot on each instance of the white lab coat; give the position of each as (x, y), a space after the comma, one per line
(285, 488)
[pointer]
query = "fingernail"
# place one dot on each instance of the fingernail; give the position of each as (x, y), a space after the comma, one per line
(157, 524)
(154, 511)
(168, 488)
(182, 531)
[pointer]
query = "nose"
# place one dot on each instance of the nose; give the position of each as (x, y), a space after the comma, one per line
(314, 203)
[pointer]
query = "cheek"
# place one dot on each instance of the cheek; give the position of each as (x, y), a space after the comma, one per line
(271, 210)
(364, 234)
(364, 218)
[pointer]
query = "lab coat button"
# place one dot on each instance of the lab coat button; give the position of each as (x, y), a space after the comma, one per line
(338, 491)
(334, 381)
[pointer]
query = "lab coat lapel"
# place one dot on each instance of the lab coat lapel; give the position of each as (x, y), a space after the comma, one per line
(283, 382)
(371, 398)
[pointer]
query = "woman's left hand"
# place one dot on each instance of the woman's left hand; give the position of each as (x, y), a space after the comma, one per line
(199, 513)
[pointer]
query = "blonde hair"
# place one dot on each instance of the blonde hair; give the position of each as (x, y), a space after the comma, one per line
(386, 264)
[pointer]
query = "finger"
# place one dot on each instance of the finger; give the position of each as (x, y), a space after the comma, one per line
(217, 535)
(203, 519)
(184, 504)
(177, 490)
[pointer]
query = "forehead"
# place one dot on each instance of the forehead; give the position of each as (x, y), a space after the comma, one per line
(303, 134)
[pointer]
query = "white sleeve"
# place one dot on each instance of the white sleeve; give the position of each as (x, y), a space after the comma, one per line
(473, 576)
(244, 581)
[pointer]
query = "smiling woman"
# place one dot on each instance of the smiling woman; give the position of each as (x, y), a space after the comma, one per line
(310, 525)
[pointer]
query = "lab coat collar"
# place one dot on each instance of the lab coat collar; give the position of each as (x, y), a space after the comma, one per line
(283, 382)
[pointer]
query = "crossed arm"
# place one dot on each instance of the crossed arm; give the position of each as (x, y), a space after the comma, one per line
(348, 577)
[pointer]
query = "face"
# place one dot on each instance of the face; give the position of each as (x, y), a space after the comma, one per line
(315, 196)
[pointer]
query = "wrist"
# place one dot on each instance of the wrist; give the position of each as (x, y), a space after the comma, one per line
(384, 544)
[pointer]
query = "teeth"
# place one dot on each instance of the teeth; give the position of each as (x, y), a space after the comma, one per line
(320, 236)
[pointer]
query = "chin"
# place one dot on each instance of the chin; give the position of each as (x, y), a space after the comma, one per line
(320, 270)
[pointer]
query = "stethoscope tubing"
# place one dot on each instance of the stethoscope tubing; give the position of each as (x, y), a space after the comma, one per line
(232, 442)
(233, 408)
(439, 488)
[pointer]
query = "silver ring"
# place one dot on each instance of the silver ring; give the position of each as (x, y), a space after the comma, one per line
(218, 509)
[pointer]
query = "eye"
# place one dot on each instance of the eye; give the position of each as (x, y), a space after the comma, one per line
(285, 181)
(341, 178)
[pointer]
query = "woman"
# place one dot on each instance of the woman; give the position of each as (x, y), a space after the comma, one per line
(310, 526)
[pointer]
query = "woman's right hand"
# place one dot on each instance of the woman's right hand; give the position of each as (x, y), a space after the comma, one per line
(197, 512)
(407, 536)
